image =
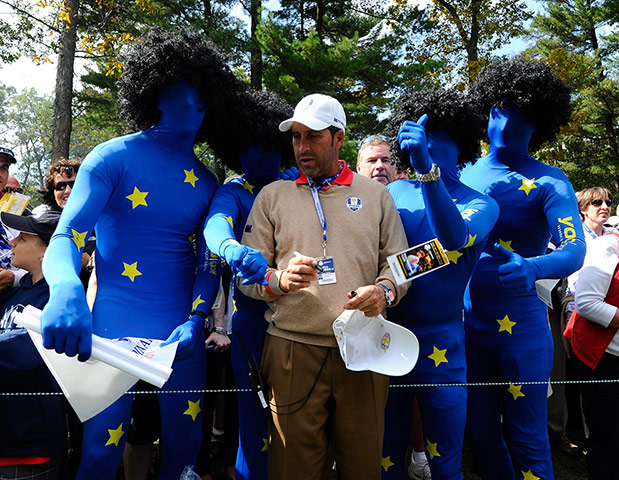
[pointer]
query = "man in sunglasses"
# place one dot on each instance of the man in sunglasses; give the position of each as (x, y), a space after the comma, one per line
(9, 275)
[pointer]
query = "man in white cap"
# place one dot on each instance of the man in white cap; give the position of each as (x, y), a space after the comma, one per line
(326, 238)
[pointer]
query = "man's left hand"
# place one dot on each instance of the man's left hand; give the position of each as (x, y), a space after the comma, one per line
(219, 341)
(369, 299)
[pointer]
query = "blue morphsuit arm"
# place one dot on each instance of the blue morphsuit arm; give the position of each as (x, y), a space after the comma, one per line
(443, 215)
(519, 273)
(224, 214)
(66, 321)
(205, 289)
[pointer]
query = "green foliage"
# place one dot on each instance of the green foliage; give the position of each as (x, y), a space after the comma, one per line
(569, 37)
(347, 53)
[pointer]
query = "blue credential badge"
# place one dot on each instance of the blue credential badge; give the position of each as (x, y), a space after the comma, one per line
(326, 271)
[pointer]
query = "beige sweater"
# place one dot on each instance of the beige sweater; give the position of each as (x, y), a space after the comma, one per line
(363, 229)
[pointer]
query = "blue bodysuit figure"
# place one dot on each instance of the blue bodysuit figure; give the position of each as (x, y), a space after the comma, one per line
(260, 161)
(508, 338)
(146, 194)
(446, 136)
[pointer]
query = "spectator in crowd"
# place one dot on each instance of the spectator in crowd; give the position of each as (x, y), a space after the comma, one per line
(149, 281)
(594, 205)
(9, 274)
(506, 325)
(436, 205)
(59, 181)
(258, 150)
(33, 426)
(592, 331)
(313, 397)
(374, 160)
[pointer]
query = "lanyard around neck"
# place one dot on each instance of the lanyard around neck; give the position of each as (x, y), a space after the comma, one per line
(315, 188)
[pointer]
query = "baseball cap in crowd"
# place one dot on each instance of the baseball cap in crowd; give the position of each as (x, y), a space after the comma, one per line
(373, 343)
(8, 153)
(317, 111)
(612, 221)
(43, 226)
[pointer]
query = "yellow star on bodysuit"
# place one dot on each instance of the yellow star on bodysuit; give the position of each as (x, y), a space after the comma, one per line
(229, 221)
(79, 238)
(515, 390)
(471, 241)
(115, 435)
(438, 356)
(248, 186)
(506, 324)
(193, 410)
(528, 475)
(197, 302)
(137, 198)
(454, 255)
(386, 462)
(506, 244)
(234, 305)
(190, 177)
(131, 271)
(527, 185)
(431, 449)
(265, 447)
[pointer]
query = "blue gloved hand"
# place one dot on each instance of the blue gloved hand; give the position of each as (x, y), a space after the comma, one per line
(187, 334)
(66, 322)
(412, 138)
(290, 174)
(517, 273)
(248, 263)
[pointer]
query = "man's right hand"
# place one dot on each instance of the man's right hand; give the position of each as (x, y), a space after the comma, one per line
(248, 263)
(66, 322)
(7, 278)
(412, 138)
(299, 273)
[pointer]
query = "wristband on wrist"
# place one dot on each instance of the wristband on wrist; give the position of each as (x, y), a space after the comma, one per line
(432, 176)
(389, 294)
(204, 316)
(220, 330)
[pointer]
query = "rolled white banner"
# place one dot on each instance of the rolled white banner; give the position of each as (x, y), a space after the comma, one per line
(106, 351)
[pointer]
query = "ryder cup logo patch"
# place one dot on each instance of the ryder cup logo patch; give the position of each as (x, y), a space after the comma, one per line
(354, 203)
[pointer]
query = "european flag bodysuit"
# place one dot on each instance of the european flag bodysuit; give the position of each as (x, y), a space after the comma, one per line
(146, 195)
(507, 334)
(433, 310)
(227, 217)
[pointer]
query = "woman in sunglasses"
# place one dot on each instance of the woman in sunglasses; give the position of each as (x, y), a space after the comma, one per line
(595, 205)
(59, 181)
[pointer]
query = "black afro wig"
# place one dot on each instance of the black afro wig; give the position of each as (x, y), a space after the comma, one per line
(162, 58)
(529, 86)
(255, 117)
(447, 110)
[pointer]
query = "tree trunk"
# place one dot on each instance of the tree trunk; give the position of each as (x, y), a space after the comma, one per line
(256, 54)
(61, 131)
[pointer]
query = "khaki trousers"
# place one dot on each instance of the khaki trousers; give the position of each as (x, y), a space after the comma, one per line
(346, 408)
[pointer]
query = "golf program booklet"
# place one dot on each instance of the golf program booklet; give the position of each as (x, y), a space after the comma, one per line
(417, 261)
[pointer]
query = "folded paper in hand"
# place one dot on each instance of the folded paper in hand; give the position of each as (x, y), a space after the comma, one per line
(373, 343)
(114, 367)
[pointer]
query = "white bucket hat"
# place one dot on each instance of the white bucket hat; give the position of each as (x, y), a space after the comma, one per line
(373, 343)
(317, 111)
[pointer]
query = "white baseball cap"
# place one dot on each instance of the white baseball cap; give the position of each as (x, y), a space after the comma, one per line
(317, 111)
(373, 343)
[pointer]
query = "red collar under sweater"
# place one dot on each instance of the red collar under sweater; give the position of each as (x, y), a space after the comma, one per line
(344, 178)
